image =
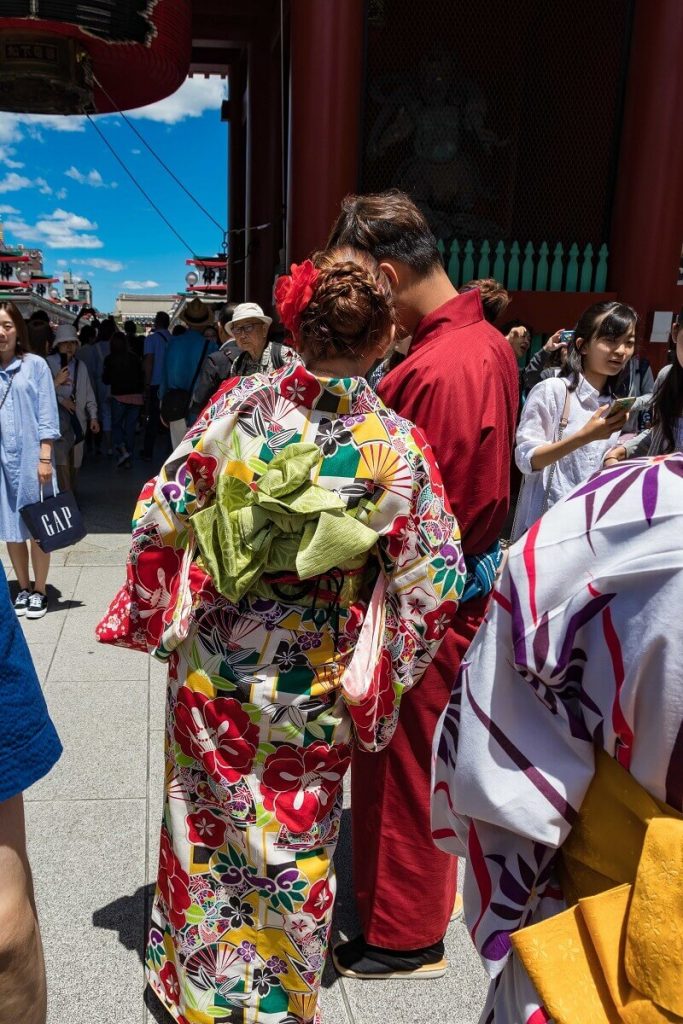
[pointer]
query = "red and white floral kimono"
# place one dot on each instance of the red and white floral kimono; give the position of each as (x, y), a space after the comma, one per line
(264, 698)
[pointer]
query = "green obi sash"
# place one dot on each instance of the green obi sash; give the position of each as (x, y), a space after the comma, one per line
(281, 522)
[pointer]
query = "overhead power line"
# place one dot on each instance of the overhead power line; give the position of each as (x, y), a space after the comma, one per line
(158, 159)
(140, 188)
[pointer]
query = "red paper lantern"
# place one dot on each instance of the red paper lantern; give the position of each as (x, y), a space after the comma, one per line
(53, 54)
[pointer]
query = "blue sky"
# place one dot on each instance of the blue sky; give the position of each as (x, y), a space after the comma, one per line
(61, 190)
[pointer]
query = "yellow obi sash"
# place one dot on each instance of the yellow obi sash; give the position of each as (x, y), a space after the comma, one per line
(616, 956)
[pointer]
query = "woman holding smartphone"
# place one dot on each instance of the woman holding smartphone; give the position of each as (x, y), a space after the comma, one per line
(569, 422)
(666, 433)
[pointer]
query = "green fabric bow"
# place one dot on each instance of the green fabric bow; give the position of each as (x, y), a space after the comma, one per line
(279, 523)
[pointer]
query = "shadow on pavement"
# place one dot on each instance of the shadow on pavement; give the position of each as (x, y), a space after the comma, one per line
(54, 598)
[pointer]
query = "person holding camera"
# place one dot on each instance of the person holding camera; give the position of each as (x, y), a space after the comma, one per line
(569, 422)
(548, 361)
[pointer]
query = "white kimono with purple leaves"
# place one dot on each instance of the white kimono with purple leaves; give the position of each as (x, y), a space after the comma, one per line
(582, 648)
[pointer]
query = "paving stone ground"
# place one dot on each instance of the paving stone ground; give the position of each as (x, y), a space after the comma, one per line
(93, 822)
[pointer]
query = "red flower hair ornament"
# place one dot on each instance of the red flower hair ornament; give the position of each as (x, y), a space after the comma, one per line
(293, 292)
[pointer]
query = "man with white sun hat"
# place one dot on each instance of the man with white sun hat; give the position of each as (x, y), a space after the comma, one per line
(249, 327)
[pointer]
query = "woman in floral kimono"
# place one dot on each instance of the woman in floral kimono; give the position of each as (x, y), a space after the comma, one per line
(559, 762)
(296, 565)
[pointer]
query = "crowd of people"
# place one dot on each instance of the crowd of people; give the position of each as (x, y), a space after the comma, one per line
(321, 563)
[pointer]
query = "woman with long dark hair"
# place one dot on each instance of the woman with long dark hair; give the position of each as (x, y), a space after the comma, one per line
(666, 433)
(564, 432)
(29, 426)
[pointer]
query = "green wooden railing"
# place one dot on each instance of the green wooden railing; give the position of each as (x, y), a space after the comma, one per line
(531, 270)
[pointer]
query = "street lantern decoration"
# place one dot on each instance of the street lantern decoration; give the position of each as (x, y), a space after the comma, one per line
(65, 56)
(11, 263)
(213, 271)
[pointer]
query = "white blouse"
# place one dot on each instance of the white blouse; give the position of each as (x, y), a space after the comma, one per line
(539, 426)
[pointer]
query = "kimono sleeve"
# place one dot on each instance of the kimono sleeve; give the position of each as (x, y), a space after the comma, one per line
(162, 547)
(412, 606)
(513, 753)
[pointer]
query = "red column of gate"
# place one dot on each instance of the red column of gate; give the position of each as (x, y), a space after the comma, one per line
(647, 227)
(326, 82)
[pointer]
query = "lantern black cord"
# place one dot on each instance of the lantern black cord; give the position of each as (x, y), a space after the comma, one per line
(140, 188)
(159, 160)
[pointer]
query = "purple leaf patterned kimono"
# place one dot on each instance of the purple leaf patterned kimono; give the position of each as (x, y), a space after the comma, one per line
(582, 649)
(269, 686)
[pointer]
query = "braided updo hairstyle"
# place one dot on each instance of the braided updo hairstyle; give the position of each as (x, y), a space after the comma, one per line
(351, 309)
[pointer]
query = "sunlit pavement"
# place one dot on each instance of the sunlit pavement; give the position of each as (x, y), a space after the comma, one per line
(93, 822)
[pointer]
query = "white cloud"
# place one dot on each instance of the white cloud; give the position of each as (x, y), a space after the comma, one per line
(113, 266)
(13, 182)
(7, 158)
(57, 230)
(138, 286)
(136, 152)
(61, 193)
(194, 96)
(63, 264)
(8, 209)
(93, 178)
(13, 126)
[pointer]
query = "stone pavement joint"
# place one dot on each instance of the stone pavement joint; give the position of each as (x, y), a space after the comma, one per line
(93, 823)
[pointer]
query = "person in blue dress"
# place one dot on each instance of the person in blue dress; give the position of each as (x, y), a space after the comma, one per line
(29, 425)
(29, 748)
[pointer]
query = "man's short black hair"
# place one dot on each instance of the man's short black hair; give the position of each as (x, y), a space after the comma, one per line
(390, 226)
(130, 327)
(162, 319)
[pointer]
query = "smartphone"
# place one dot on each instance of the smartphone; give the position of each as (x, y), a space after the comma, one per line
(63, 359)
(618, 405)
(566, 337)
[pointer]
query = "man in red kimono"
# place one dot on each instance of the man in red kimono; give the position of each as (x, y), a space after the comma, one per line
(459, 384)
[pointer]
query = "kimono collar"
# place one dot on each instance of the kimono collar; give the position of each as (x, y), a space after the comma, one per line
(460, 311)
(337, 395)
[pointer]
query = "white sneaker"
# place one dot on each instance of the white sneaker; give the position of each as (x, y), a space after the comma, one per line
(37, 605)
(21, 602)
(124, 457)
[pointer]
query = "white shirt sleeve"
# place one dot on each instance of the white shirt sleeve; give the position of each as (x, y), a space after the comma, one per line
(540, 420)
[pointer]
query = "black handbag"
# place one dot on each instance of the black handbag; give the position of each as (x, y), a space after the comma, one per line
(176, 401)
(174, 404)
(54, 522)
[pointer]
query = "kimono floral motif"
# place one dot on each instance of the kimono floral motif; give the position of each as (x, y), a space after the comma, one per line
(173, 882)
(218, 733)
(299, 784)
(439, 620)
(258, 726)
(556, 670)
(320, 900)
(153, 581)
(205, 829)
